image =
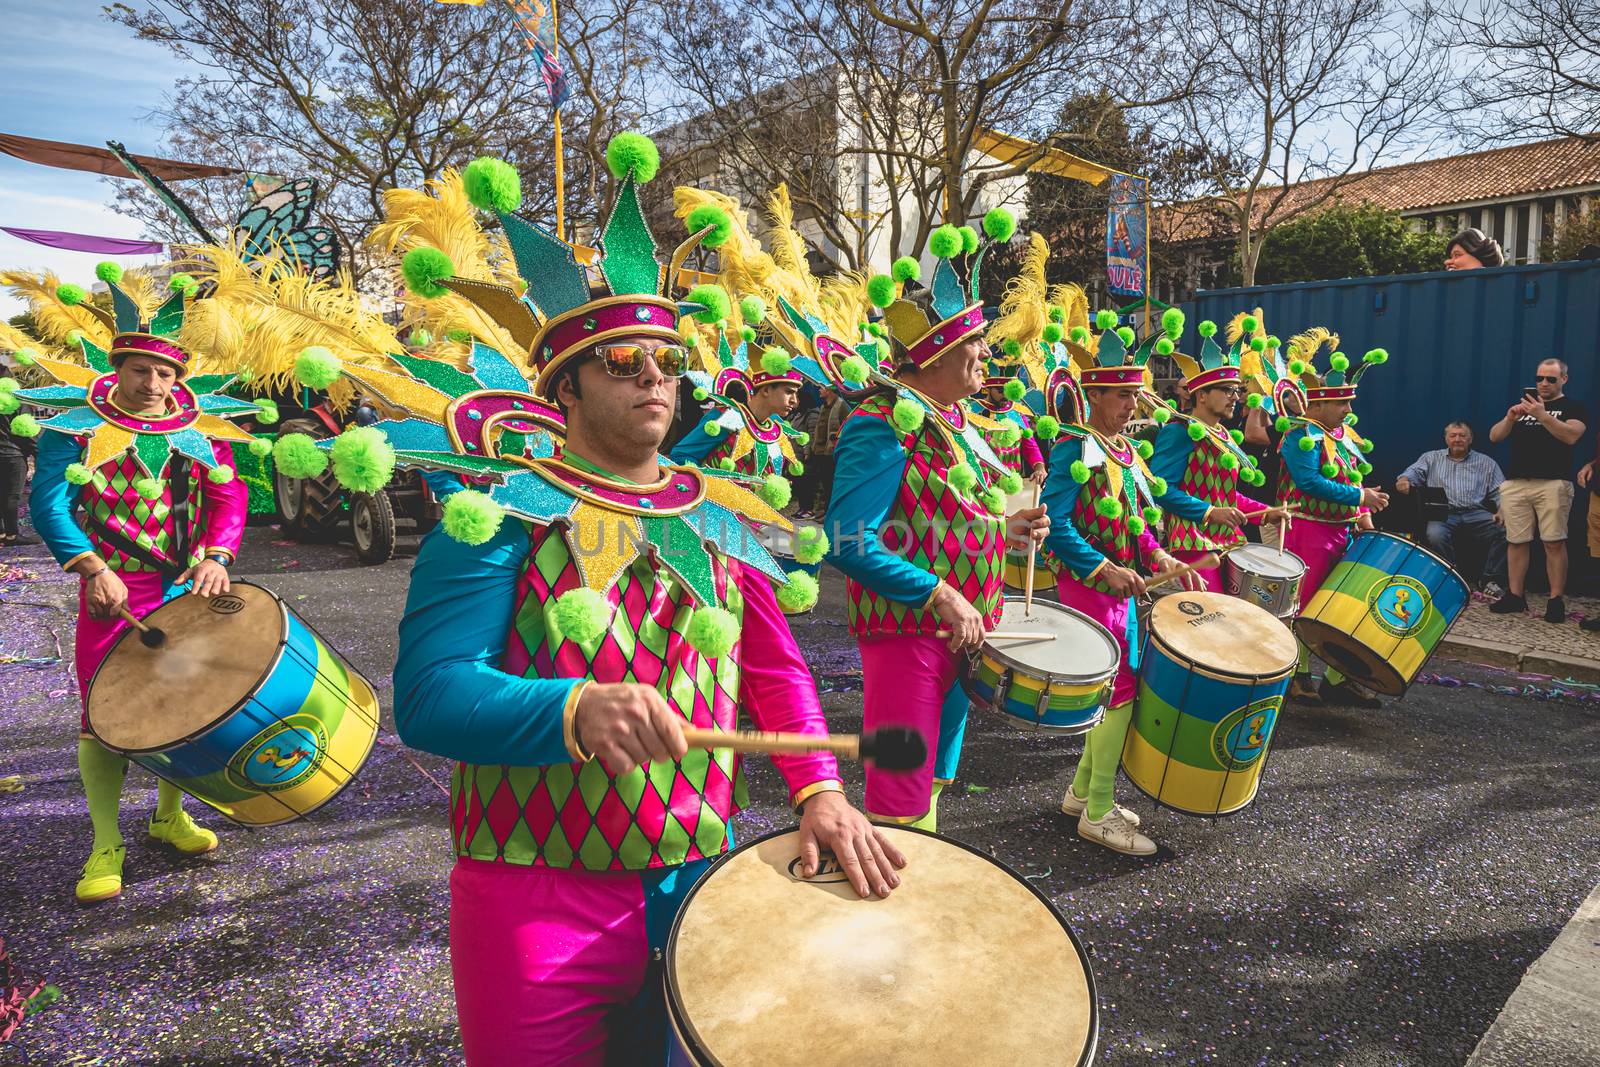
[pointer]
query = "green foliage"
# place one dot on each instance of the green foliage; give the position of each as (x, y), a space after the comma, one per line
(1346, 241)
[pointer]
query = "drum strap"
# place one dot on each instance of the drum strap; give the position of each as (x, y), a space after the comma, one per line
(169, 569)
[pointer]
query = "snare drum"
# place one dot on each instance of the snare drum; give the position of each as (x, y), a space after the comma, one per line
(242, 706)
(1215, 672)
(1264, 576)
(1059, 685)
(965, 963)
(1382, 611)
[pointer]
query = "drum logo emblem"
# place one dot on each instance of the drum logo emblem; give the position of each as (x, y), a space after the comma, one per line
(828, 870)
(1241, 738)
(1398, 605)
(1189, 607)
(281, 756)
(226, 604)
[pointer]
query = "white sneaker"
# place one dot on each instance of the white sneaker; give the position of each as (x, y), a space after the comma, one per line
(1493, 591)
(1116, 833)
(1073, 804)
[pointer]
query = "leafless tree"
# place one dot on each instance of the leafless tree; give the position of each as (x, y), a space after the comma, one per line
(1529, 68)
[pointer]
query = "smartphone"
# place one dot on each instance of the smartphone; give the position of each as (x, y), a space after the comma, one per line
(1529, 392)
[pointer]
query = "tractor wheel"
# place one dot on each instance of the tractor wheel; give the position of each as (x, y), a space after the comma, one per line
(372, 527)
(309, 506)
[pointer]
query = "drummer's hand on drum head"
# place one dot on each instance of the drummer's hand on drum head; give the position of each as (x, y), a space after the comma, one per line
(209, 577)
(1374, 500)
(1121, 581)
(105, 595)
(1028, 524)
(625, 724)
(869, 860)
(959, 617)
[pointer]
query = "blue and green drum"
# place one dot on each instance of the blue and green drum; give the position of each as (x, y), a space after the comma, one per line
(242, 706)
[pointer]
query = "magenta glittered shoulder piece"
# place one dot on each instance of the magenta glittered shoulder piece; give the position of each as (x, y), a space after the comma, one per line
(765, 434)
(472, 416)
(1120, 450)
(185, 410)
(679, 489)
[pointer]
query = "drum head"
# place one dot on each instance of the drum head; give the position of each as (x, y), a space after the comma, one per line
(1083, 649)
(1268, 562)
(216, 653)
(1224, 635)
(965, 963)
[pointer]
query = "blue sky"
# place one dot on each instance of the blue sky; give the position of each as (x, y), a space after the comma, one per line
(70, 75)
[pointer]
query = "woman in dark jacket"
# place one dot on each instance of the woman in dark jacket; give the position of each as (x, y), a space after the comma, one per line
(14, 454)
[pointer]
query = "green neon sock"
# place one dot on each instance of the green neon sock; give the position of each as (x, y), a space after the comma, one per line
(169, 799)
(1303, 664)
(1333, 677)
(1080, 777)
(930, 821)
(1106, 741)
(102, 772)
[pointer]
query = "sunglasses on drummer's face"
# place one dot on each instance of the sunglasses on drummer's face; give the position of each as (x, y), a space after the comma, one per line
(628, 361)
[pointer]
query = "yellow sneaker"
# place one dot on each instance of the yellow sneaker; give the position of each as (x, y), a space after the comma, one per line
(102, 875)
(181, 833)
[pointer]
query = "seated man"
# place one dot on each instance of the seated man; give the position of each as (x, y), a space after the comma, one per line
(1471, 484)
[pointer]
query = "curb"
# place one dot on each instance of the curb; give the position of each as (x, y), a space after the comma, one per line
(1526, 658)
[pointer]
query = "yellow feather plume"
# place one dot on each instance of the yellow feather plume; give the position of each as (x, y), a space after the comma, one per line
(1072, 299)
(1303, 346)
(1235, 329)
(54, 319)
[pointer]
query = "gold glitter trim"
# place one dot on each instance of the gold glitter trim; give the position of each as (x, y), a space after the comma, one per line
(68, 373)
(742, 501)
(805, 793)
(603, 542)
(402, 391)
(107, 443)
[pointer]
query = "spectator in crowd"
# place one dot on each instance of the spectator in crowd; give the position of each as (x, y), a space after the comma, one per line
(1586, 480)
(1473, 250)
(819, 463)
(810, 421)
(15, 451)
(1471, 483)
(1536, 497)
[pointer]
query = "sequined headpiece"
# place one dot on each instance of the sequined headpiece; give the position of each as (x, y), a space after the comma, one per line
(133, 334)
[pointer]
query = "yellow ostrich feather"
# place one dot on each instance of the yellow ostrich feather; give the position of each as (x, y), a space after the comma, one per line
(1074, 301)
(1303, 346)
(1024, 309)
(54, 319)
(1235, 330)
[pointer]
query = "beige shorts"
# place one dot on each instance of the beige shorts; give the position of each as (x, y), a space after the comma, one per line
(1594, 526)
(1535, 509)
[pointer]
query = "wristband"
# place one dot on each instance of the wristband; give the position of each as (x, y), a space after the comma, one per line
(218, 558)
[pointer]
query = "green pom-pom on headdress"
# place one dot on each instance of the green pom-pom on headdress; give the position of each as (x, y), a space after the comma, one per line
(1164, 347)
(752, 309)
(1051, 333)
(1339, 361)
(1057, 313)
(25, 357)
(583, 614)
(108, 272)
(316, 367)
(25, 425)
(962, 477)
(1196, 431)
(1126, 334)
(1015, 390)
(9, 385)
(1000, 223)
(776, 361)
(419, 338)
(1011, 347)
(712, 632)
(1281, 424)
(1105, 319)
(854, 370)
(880, 290)
(1207, 328)
(260, 447)
(363, 459)
(71, 295)
(747, 334)
(993, 500)
(810, 544)
(711, 215)
(1079, 471)
(714, 302)
(75, 336)
(945, 242)
(1047, 427)
(78, 474)
(266, 410)
(1108, 508)
(1258, 344)
(1010, 482)
(1078, 335)
(1376, 356)
(1252, 400)
(1172, 321)
(633, 153)
(492, 184)
(969, 239)
(221, 474)
(149, 488)
(1307, 444)
(905, 269)
(776, 491)
(183, 283)
(798, 594)
(1250, 323)
(471, 517)
(1297, 367)
(297, 456)
(459, 336)
(423, 267)
(908, 415)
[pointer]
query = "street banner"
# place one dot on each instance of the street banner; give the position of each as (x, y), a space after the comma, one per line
(1127, 229)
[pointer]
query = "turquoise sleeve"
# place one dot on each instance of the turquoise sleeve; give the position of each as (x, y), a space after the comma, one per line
(450, 696)
(1168, 462)
(53, 498)
(868, 467)
(1060, 499)
(696, 445)
(1306, 470)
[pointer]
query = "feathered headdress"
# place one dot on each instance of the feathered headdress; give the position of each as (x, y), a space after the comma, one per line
(1340, 380)
(136, 330)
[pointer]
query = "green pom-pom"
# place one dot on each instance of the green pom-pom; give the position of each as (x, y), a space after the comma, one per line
(221, 474)
(1051, 333)
(297, 456)
(363, 459)
(1164, 347)
(1365, 446)
(108, 272)
(796, 467)
(1107, 508)
(316, 367)
(1105, 319)
(1196, 431)
(908, 415)
(266, 411)
(1307, 444)
(1152, 516)
(1079, 471)
(1172, 321)
(471, 517)
(1250, 323)
(1011, 347)
(776, 361)
(969, 240)
(25, 425)
(1273, 342)
(78, 474)
(1229, 461)
(1258, 344)
(1057, 313)
(260, 447)
(1135, 525)
(720, 221)
(1047, 427)
(1161, 415)
(962, 477)
(492, 184)
(1339, 361)
(149, 488)
(905, 269)
(993, 500)
(880, 290)
(8, 385)
(802, 439)
(1127, 335)
(1000, 223)
(854, 370)
(712, 632)
(875, 329)
(700, 394)
(776, 491)
(752, 309)
(1329, 470)
(1281, 424)
(798, 594)
(419, 338)
(423, 267)
(1377, 355)
(459, 336)
(1078, 335)
(1009, 437)
(713, 428)
(1207, 328)
(726, 464)
(1158, 486)
(810, 544)
(183, 283)
(1350, 418)
(945, 242)
(1297, 367)
(1253, 400)
(25, 357)
(1364, 467)
(747, 334)
(1145, 449)
(1237, 435)
(713, 299)
(1015, 390)
(1010, 482)
(583, 614)
(75, 337)
(71, 295)
(632, 152)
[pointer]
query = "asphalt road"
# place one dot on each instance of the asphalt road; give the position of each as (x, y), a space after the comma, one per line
(1377, 905)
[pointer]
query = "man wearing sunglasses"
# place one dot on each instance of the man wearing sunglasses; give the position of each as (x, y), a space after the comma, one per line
(1536, 497)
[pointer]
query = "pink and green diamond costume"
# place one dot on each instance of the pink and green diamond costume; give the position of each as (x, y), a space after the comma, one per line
(1198, 480)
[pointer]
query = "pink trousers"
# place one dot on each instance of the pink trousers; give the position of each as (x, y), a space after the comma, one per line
(905, 680)
(1116, 615)
(146, 592)
(1319, 545)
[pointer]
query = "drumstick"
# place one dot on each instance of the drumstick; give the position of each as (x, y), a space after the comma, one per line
(149, 636)
(1005, 635)
(1027, 581)
(1207, 560)
(1257, 514)
(893, 748)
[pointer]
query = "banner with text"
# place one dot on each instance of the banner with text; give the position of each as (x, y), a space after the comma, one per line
(1127, 229)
